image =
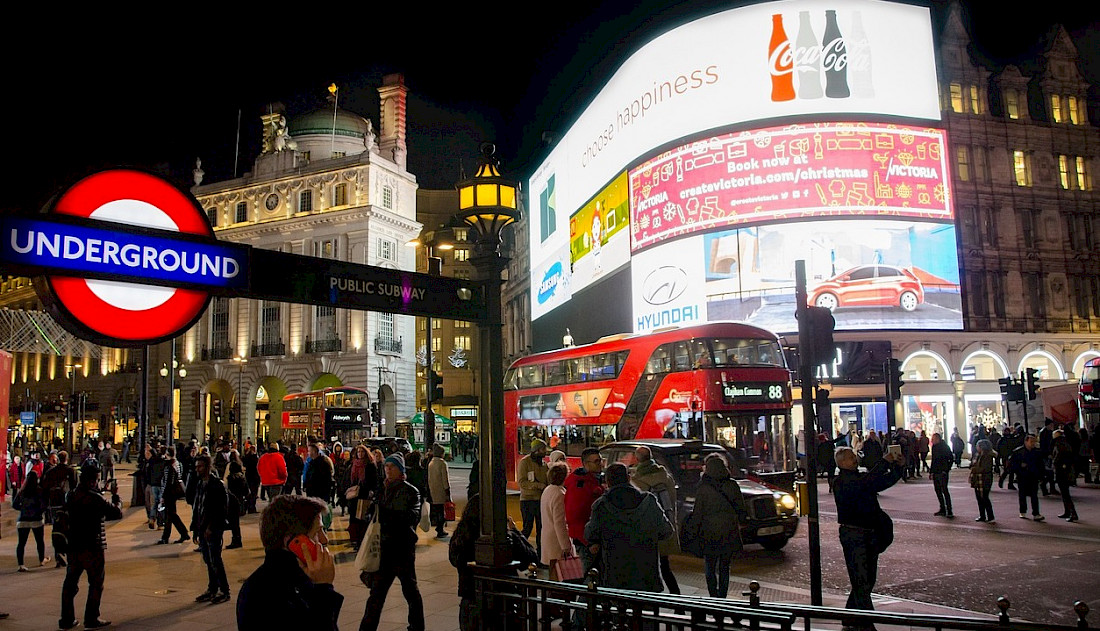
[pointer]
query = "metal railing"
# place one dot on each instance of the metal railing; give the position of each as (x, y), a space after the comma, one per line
(271, 349)
(531, 604)
(331, 345)
(217, 352)
(387, 345)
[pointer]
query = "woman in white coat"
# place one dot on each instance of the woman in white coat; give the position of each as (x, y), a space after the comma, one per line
(556, 543)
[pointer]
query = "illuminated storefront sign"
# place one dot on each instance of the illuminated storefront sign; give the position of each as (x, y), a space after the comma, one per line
(791, 173)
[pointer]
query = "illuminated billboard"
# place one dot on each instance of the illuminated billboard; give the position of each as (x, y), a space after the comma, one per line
(683, 127)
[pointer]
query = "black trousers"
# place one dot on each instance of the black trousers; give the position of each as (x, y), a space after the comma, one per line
(1025, 490)
(172, 518)
(1068, 508)
(39, 538)
(939, 482)
(380, 583)
(985, 506)
(92, 562)
(436, 518)
(861, 556)
(211, 549)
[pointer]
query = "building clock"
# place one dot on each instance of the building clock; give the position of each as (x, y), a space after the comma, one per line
(272, 201)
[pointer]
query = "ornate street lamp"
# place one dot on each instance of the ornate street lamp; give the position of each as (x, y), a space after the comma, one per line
(488, 203)
(71, 438)
(170, 374)
(442, 238)
(241, 361)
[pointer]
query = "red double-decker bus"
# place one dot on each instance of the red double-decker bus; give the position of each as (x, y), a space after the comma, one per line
(1090, 395)
(721, 382)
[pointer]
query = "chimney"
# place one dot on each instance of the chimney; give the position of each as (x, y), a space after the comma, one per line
(393, 95)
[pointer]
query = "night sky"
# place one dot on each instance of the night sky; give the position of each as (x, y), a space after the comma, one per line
(91, 91)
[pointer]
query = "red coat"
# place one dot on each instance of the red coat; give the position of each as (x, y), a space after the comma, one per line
(272, 469)
(581, 490)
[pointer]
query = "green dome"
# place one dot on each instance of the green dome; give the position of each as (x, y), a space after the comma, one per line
(319, 121)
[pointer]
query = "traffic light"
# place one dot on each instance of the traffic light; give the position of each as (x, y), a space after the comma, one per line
(1010, 390)
(818, 346)
(216, 409)
(824, 409)
(1006, 387)
(894, 380)
(1032, 383)
(375, 416)
(435, 384)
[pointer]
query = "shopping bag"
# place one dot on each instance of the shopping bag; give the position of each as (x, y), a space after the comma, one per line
(369, 557)
(326, 518)
(449, 511)
(567, 569)
(425, 517)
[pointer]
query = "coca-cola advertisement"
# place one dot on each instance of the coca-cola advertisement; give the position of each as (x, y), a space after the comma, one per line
(790, 173)
(835, 64)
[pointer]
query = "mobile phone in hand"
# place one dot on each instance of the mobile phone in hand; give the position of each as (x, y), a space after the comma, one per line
(304, 548)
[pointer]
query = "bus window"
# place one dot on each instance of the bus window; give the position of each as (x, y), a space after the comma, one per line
(575, 438)
(530, 376)
(741, 352)
(554, 373)
(700, 353)
(660, 361)
(510, 381)
(681, 359)
(576, 370)
(527, 436)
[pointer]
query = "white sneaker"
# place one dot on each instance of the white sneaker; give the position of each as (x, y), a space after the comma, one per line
(23, 568)
(1023, 515)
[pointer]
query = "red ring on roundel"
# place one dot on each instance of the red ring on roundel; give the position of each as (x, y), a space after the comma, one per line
(164, 320)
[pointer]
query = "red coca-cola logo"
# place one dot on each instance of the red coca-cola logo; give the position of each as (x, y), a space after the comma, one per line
(834, 56)
(781, 60)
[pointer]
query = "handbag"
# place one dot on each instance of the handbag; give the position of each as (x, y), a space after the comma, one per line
(566, 569)
(369, 557)
(425, 517)
(449, 511)
(362, 508)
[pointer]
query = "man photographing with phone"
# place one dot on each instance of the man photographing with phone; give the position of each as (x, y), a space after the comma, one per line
(293, 587)
(865, 529)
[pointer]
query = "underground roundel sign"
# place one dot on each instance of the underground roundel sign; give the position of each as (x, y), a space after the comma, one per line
(127, 313)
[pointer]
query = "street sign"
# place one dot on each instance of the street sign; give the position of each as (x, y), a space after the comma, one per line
(311, 280)
(126, 313)
(26, 418)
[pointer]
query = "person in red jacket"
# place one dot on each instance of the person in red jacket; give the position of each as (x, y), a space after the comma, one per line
(272, 470)
(582, 487)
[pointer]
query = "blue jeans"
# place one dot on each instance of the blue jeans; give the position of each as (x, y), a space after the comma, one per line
(211, 549)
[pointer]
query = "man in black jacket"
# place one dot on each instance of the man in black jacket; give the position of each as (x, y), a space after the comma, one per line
(398, 515)
(208, 523)
(56, 484)
(87, 540)
(302, 587)
(318, 476)
(1028, 464)
(942, 459)
(865, 529)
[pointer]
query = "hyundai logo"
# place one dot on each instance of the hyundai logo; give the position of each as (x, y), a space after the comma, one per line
(664, 284)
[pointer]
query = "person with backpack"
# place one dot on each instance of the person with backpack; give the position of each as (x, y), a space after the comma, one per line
(715, 522)
(82, 522)
(56, 484)
(31, 503)
(653, 478)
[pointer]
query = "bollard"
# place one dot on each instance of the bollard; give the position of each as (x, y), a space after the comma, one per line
(1082, 611)
(753, 594)
(1003, 604)
(754, 601)
(593, 579)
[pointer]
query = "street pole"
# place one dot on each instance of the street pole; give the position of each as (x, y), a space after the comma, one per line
(806, 374)
(435, 268)
(143, 402)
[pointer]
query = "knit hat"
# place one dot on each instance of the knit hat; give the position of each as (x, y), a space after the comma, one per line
(396, 460)
(537, 444)
(557, 456)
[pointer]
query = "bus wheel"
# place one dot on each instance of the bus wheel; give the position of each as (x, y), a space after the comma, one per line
(774, 544)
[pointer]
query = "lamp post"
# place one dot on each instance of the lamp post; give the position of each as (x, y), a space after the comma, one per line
(241, 361)
(170, 430)
(488, 203)
(441, 238)
(72, 408)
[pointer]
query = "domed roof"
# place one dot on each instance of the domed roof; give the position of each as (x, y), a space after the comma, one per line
(319, 121)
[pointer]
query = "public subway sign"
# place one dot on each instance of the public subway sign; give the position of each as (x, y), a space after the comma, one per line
(123, 257)
(126, 258)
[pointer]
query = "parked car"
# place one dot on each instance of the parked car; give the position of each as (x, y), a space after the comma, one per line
(773, 518)
(869, 286)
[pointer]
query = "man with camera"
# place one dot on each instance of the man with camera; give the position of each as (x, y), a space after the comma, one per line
(865, 529)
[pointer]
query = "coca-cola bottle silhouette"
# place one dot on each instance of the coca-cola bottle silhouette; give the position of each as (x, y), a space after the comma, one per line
(807, 59)
(834, 59)
(859, 60)
(780, 62)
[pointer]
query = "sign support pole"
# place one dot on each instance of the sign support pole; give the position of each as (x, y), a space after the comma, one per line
(806, 374)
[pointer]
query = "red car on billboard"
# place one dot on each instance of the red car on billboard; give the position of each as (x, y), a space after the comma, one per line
(869, 286)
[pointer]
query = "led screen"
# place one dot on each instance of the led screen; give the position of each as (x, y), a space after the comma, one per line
(659, 132)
